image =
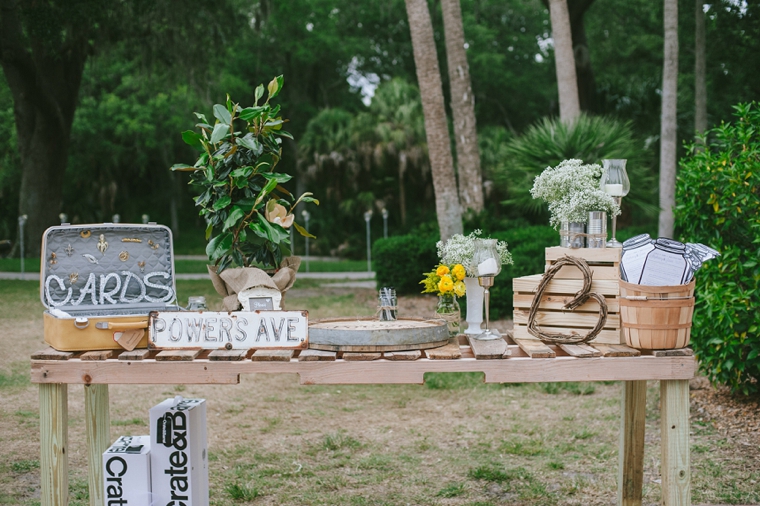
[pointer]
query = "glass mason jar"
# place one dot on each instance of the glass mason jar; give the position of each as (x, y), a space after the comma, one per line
(448, 310)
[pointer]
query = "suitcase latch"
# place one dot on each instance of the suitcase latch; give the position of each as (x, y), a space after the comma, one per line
(81, 322)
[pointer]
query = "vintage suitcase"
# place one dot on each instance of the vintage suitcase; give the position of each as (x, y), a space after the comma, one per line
(99, 281)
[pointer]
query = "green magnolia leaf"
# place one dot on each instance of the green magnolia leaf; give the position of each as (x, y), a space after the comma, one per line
(233, 218)
(258, 229)
(242, 236)
(271, 184)
(201, 117)
(250, 142)
(275, 85)
(242, 171)
(258, 93)
(219, 246)
(251, 113)
(272, 234)
(222, 203)
(222, 114)
(192, 138)
(209, 229)
(182, 167)
(240, 182)
(220, 130)
(283, 133)
(279, 177)
(303, 231)
(246, 203)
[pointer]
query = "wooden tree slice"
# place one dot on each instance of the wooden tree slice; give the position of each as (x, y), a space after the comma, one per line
(371, 335)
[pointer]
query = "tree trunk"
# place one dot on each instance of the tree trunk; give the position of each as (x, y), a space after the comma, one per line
(402, 162)
(584, 72)
(44, 83)
(463, 109)
(564, 60)
(700, 79)
(436, 128)
(668, 121)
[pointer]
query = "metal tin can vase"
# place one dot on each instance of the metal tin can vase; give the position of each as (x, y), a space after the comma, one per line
(596, 230)
(448, 310)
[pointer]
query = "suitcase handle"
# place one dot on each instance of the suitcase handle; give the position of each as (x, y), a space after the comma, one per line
(122, 326)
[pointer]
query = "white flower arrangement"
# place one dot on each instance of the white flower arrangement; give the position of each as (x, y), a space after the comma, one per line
(572, 190)
(460, 249)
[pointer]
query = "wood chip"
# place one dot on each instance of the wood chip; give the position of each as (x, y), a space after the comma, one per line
(317, 356)
(535, 348)
(616, 350)
(177, 355)
(682, 352)
(272, 355)
(97, 355)
(135, 355)
(227, 355)
(52, 354)
(449, 351)
(484, 350)
(579, 350)
(403, 355)
(361, 357)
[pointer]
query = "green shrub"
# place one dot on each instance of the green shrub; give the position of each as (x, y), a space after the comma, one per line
(589, 138)
(527, 246)
(399, 261)
(718, 196)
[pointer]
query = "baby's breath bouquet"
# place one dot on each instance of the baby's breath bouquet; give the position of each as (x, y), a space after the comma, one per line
(445, 280)
(572, 190)
(460, 249)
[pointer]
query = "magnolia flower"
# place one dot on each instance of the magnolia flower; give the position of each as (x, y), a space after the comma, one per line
(276, 213)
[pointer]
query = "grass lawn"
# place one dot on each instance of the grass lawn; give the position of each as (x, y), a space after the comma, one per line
(452, 441)
(199, 266)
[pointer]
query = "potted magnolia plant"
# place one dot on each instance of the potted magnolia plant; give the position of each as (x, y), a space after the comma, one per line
(572, 190)
(247, 209)
(460, 249)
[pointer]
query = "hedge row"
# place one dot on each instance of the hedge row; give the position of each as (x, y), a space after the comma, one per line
(400, 261)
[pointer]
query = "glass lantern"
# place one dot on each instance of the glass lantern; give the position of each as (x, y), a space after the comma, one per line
(615, 183)
(487, 266)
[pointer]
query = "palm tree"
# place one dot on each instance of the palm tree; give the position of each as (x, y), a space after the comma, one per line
(564, 61)
(447, 205)
(668, 119)
(463, 109)
(397, 131)
(700, 80)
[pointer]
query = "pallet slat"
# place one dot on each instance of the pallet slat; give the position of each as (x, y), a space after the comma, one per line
(449, 351)
(535, 348)
(558, 301)
(402, 355)
(566, 319)
(52, 354)
(177, 355)
(317, 356)
(580, 350)
(605, 336)
(485, 350)
(272, 355)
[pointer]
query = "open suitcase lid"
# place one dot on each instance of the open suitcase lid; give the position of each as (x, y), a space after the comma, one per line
(106, 267)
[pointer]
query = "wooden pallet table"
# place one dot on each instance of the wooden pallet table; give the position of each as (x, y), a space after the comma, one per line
(502, 362)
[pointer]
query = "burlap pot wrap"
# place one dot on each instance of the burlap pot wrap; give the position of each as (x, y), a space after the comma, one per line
(233, 281)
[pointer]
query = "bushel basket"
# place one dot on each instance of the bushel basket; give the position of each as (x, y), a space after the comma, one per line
(656, 317)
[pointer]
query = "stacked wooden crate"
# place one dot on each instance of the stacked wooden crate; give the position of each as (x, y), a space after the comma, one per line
(552, 317)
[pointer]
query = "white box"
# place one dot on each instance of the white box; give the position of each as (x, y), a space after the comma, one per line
(126, 472)
(178, 457)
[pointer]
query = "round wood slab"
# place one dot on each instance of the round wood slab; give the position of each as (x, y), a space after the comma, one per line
(370, 334)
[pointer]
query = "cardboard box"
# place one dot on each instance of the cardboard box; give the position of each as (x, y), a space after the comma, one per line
(126, 472)
(178, 457)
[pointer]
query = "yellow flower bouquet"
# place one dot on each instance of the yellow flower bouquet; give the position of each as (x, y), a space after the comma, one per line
(447, 282)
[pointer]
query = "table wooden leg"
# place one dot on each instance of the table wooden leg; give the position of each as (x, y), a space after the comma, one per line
(98, 427)
(54, 442)
(631, 451)
(675, 470)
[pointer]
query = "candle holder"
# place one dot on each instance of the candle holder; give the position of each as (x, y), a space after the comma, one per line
(488, 263)
(615, 183)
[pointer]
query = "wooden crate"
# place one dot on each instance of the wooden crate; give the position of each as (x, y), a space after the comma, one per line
(605, 265)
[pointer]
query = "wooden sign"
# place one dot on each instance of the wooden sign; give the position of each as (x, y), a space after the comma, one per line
(232, 331)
